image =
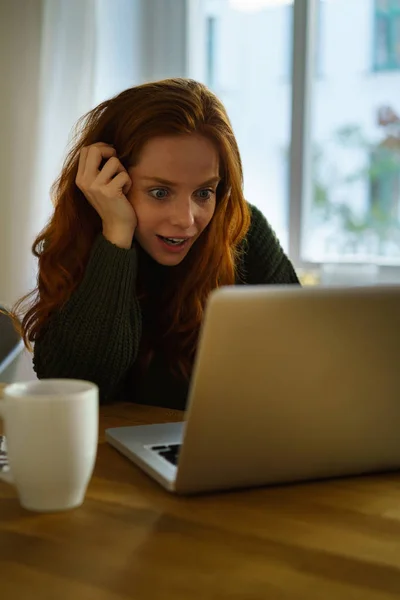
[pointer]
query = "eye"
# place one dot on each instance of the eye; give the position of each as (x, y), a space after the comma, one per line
(159, 193)
(205, 194)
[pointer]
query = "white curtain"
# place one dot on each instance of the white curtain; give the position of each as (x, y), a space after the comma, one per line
(48, 58)
(67, 78)
(89, 52)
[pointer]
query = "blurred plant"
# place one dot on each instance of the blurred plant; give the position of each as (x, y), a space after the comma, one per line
(381, 170)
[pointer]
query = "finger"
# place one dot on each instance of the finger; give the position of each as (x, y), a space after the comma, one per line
(84, 152)
(81, 163)
(121, 182)
(101, 145)
(112, 167)
(96, 154)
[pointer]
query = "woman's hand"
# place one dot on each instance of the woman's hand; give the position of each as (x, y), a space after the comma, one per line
(106, 191)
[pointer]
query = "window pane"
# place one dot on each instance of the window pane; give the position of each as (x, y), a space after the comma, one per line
(244, 55)
(382, 43)
(396, 41)
(353, 214)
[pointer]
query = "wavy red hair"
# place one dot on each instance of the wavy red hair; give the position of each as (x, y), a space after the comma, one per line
(128, 121)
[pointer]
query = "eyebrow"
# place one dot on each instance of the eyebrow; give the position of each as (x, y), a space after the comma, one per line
(172, 184)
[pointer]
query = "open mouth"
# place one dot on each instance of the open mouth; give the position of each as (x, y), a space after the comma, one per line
(173, 241)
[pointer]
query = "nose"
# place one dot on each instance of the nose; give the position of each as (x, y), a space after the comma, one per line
(182, 216)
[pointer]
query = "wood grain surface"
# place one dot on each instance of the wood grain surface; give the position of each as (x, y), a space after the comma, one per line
(336, 540)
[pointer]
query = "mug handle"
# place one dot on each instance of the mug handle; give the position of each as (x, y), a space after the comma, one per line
(5, 474)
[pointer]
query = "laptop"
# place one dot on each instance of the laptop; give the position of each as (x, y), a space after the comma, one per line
(289, 384)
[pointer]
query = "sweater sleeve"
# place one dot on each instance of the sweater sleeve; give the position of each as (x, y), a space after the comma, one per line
(264, 261)
(95, 335)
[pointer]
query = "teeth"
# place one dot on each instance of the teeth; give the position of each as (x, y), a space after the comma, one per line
(175, 241)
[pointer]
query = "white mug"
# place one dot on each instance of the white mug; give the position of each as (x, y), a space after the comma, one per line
(51, 429)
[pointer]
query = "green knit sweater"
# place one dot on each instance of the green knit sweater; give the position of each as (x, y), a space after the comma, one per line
(97, 333)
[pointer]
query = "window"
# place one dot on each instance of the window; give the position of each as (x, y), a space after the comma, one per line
(241, 49)
(387, 35)
(327, 177)
(352, 212)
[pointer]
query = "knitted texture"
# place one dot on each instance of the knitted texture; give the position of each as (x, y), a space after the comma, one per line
(264, 261)
(96, 334)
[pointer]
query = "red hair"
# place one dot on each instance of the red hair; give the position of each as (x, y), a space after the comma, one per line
(128, 121)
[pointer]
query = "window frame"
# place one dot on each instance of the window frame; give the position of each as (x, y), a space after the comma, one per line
(306, 17)
(305, 37)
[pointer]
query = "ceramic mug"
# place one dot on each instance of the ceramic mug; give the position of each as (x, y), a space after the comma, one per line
(51, 428)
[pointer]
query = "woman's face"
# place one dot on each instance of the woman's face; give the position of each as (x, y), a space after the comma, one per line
(173, 193)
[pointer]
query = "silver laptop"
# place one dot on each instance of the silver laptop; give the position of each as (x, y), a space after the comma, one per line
(289, 384)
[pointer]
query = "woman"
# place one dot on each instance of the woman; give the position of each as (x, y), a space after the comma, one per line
(149, 218)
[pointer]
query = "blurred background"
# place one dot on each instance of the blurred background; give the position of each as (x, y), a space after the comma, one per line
(312, 88)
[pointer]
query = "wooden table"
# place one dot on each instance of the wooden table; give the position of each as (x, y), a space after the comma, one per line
(338, 540)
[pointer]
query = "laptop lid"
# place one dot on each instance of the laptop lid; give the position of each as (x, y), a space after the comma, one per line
(293, 384)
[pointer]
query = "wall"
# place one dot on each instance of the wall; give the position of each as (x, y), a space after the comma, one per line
(20, 32)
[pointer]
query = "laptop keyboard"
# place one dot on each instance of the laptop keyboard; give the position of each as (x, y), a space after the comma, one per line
(168, 451)
(3, 453)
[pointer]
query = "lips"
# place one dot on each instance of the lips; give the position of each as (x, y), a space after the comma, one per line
(174, 241)
(174, 245)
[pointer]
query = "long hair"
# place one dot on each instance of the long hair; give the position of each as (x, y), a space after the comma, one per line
(128, 121)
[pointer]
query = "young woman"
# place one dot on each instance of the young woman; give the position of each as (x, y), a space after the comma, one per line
(149, 218)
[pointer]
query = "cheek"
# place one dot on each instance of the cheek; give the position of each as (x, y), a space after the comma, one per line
(206, 214)
(134, 198)
(142, 209)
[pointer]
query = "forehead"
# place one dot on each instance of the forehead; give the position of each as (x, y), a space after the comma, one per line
(179, 158)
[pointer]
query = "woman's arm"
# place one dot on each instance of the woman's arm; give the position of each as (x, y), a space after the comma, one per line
(264, 261)
(96, 334)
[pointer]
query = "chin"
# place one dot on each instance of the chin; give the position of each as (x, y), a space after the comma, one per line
(162, 257)
(169, 261)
